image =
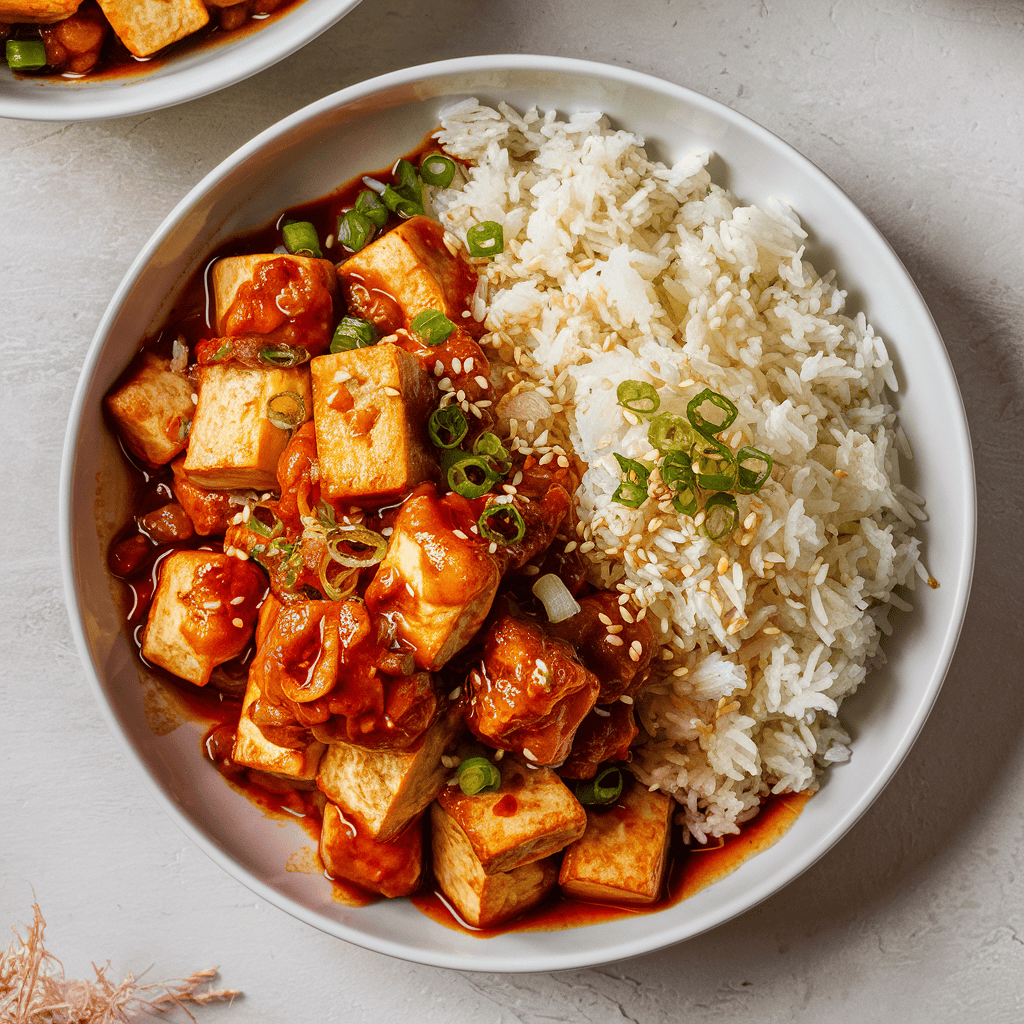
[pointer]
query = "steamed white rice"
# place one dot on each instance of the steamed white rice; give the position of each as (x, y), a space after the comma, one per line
(618, 267)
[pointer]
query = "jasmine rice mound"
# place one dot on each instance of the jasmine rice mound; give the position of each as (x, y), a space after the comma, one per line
(617, 267)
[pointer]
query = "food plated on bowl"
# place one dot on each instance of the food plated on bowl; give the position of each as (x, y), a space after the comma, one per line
(83, 59)
(574, 494)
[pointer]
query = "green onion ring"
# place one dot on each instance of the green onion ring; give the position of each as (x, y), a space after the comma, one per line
(282, 355)
(720, 516)
(748, 481)
(438, 169)
(369, 205)
(639, 397)
(460, 481)
(353, 332)
(703, 425)
(256, 525)
(286, 410)
(432, 327)
(502, 535)
(485, 239)
(478, 775)
(355, 229)
(342, 537)
(714, 465)
(605, 788)
(447, 426)
(300, 238)
(669, 432)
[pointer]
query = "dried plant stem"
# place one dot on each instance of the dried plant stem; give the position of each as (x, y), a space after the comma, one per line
(33, 989)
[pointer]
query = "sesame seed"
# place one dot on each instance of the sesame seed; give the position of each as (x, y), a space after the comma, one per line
(723, 565)
(634, 654)
(570, 547)
(483, 382)
(237, 623)
(681, 671)
(195, 398)
(615, 629)
(626, 699)
(467, 366)
(545, 459)
(240, 555)
(602, 712)
(626, 614)
(615, 641)
(604, 619)
(445, 383)
(772, 631)
(392, 392)
(237, 600)
(563, 462)
(438, 368)
(457, 364)
(499, 754)
(637, 646)
(454, 695)
(461, 396)
(492, 547)
(460, 535)
(476, 412)
(529, 754)
(586, 546)
(748, 523)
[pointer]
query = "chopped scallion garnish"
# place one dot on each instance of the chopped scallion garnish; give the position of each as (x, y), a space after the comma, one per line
(447, 426)
(25, 54)
(356, 547)
(753, 467)
(603, 789)
(632, 489)
(438, 169)
(369, 205)
(353, 332)
(282, 355)
(638, 397)
(286, 410)
(502, 524)
(472, 476)
(355, 229)
(697, 405)
(300, 238)
(432, 327)
(485, 239)
(720, 516)
(478, 775)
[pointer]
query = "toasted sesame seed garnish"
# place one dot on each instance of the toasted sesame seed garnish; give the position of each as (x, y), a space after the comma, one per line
(634, 655)
(604, 619)
(570, 547)
(615, 641)
(237, 600)
(499, 754)
(492, 547)
(461, 396)
(392, 392)
(454, 695)
(387, 531)
(483, 382)
(615, 629)
(195, 398)
(445, 383)
(602, 712)
(476, 412)
(460, 535)
(681, 671)
(771, 631)
(237, 623)
(456, 364)
(242, 556)
(723, 566)
(529, 754)
(626, 699)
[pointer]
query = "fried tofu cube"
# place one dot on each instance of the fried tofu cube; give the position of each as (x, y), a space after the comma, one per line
(531, 815)
(484, 900)
(387, 789)
(391, 869)
(405, 271)
(234, 442)
(203, 612)
(255, 750)
(152, 410)
(145, 26)
(264, 293)
(621, 857)
(436, 586)
(370, 406)
(208, 510)
(38, 12)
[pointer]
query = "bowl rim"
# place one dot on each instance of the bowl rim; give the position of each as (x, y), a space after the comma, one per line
(188, 76)
(656, 938)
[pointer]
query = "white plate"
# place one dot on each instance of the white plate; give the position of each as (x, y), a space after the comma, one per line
(187, 76)
(367, 126)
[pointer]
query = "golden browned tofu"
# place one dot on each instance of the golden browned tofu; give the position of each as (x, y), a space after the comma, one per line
(287, 297)
(145, 26)
(152, 410)
(435, 585)
(405, 271)
(622, 855)
(210, 511)
(531, 815)
(369, 407)
(392, 869)
(483, 900)
(40, 12)
(203, 612)
(234, 444)
(254, 749)
(387, 789)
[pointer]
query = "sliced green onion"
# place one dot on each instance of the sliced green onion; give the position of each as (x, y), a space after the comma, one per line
(632, 490)
(432, 327)
(502, 524)
(694, 412)
(369, 205)
(300, 238)
(490, 447)
(356, 546)
(355, 229)
(286, 410)
(478, 775)
(677, 473)
(447, 426)
(720, 516)
(604, 788)
(343, 584)
(472, 476)
(283, 355)
(669, 432)
(408, 180)
(438, 169)
(402, 205)
(750, 478)
(25, 54)
(353, 332)
(485, 239)
(638, 397)
(714, 465)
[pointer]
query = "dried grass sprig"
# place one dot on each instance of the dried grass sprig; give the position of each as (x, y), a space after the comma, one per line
(33, 989)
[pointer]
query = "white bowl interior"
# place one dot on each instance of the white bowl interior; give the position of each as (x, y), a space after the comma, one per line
(367, 126)
(186, 76)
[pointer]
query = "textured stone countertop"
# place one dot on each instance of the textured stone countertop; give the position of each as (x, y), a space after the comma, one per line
(914, 108)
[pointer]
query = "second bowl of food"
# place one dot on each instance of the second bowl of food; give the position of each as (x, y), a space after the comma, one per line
(483, 469)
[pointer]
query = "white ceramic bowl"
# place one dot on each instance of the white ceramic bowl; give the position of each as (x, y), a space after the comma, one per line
(367, 126)
(186, 76)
